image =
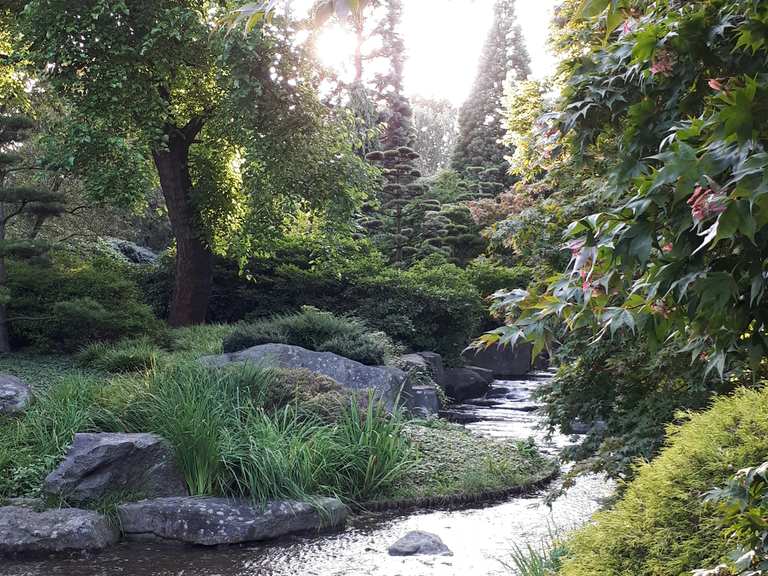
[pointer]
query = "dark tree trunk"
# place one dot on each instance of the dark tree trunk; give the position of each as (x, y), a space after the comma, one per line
(5, 343)
(192, 289)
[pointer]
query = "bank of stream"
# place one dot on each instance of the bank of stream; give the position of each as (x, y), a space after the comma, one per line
(481, 537)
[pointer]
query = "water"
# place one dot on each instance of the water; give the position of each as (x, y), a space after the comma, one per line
(481, 538)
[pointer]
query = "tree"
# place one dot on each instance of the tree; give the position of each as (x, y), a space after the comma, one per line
(681, 254)
(479, 153)
(435, 123)
(19, 199)
(222, 118)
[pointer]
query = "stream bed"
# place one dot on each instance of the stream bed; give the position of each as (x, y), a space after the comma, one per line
(480, 538)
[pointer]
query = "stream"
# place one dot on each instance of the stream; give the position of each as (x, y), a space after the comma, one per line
(480, 538)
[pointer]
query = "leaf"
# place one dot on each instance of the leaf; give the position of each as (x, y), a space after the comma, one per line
(592, 8)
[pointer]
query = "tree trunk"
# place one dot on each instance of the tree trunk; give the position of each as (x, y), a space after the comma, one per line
(5, 344)
(194, 274)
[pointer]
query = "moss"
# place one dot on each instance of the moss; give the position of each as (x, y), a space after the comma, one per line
(453, 461)
(661, 525)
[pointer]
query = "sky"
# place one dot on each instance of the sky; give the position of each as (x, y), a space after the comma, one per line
(444, 40)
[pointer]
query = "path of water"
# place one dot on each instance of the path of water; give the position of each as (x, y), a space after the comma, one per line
(481, 538)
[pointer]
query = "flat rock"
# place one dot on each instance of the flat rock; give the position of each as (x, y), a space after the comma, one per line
(386, 381)
(26, 532)
(14, 394)
(213, 521)
(419, 543)
(98, 465)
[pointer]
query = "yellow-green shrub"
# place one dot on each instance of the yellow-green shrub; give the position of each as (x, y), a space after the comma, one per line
(661, 526)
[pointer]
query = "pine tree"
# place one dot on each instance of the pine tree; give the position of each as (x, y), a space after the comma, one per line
(17, 201)
(399, 210)
(479, 153)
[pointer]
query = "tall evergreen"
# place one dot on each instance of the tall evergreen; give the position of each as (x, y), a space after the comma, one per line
(18, 200)
(400, 213)
(479, 153)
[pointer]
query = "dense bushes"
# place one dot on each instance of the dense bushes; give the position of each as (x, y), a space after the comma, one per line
(434, 305)
(314, 330)
(661, 525)
(75, 300)
(625, 394)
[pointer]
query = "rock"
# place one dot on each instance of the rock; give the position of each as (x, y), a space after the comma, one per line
(503, 361)
(465, 383)
(24, 531)
(423, 401)
(420, 394)
(213, 521)
(14, 394)
(387, 382)
(435, 362)
(101, 464)
(32, 503)
(419, 543)
(131, 251)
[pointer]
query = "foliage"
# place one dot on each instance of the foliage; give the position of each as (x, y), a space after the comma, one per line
(743, 505)
(314, 330)
(132, 355)
(479, 153)
(436, 125)
(542, 560)
(31, 445)
(489, 276)
(309, 392)
(453, 461)
(239, 140)
(625, 396)
(75, 301)
(431, 306)
(20, 199)
(524, 108)
(681, 252)
(661, 525)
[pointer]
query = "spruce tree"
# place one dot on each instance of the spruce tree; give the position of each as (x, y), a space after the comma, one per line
(18, 200)
(479, 153)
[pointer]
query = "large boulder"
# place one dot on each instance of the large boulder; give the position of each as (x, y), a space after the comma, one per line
(24, 531)
(14, 394)
(101, 464)
(213, 521)
(503, 361)
(387, 382)
(465, 383)
(419, 543)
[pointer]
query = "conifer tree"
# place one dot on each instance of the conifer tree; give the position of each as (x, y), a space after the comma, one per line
(479, 153)
(16, 201)
(400, 212)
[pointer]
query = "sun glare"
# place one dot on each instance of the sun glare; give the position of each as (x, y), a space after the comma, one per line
(335, 47)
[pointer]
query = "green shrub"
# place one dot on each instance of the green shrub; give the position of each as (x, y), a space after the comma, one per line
(489, 277)
(309, 392)
(661, 525)
(132, 355)
(75, 301)
(314, 330)
(432, 306)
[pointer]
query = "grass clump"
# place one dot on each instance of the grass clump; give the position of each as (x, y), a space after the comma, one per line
(452, 461)
(315, 330)
(661, 525)
(132, 355)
